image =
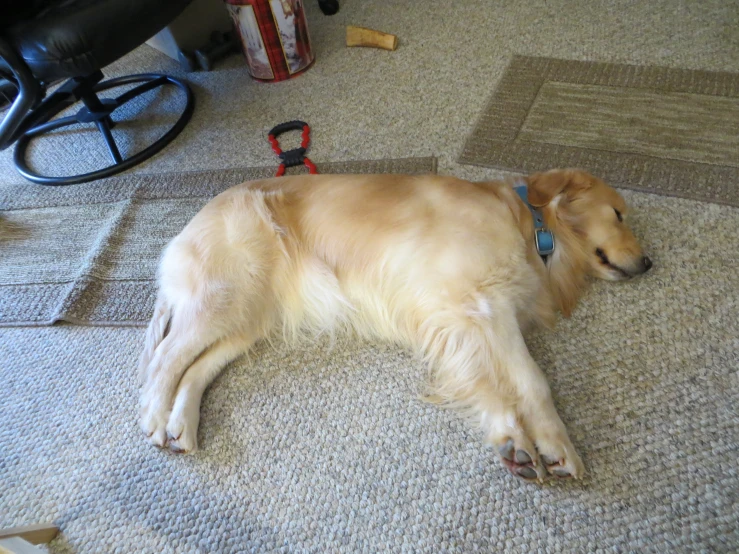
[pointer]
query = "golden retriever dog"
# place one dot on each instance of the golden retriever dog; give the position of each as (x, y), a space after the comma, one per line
(449, 268)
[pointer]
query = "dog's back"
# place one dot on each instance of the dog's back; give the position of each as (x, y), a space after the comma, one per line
(382, 253)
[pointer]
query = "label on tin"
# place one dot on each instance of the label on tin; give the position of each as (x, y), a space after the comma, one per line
(252, 42)
(274, 37)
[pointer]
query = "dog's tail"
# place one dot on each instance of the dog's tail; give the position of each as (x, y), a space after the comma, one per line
(155, 333)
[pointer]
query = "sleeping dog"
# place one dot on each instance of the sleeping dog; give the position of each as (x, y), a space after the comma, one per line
(453, 269)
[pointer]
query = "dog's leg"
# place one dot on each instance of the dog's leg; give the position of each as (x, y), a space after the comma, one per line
(179, 349)
(469, 374)
(535, 410)
(482, 364)
(155, 333)
(182, 428)
(538, 412)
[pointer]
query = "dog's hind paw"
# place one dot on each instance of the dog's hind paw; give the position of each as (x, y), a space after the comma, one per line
(154, 426)
(154, 418)
(182, 432)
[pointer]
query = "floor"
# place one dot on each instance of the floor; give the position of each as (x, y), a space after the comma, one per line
(327, 448)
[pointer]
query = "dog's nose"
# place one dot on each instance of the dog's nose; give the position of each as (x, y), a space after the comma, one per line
(647, 263)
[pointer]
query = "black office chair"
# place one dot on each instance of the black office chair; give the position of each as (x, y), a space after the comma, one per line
(43, 42)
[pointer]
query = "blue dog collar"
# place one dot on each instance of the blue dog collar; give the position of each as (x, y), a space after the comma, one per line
(543, 236)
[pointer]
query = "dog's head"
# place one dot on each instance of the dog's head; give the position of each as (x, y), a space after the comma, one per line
(594, 215)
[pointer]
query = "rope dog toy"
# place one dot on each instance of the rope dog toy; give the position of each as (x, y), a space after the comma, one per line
(296, 156)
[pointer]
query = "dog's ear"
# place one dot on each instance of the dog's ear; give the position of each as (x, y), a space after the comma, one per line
(543, 187)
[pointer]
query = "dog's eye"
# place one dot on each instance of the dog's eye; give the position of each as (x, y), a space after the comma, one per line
(602, 255)
(618, 214)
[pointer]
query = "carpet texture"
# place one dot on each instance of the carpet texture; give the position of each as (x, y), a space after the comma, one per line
(654, 129)
(88, 254)
(329, 449)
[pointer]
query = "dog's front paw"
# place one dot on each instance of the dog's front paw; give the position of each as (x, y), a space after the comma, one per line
(532, 450)
(517, 451)
(554, 446)
(520, 458)
(559, 456)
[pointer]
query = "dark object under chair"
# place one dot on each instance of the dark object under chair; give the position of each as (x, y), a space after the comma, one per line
(329, 7)
(46, 41)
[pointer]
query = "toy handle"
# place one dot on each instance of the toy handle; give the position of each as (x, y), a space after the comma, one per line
(296, 125)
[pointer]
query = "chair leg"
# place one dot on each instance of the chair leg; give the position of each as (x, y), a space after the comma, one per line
(59, 100)
(99, 111)
(104, 126)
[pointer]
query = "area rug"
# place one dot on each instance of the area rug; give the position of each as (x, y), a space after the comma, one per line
(653, 129)
(87, 254)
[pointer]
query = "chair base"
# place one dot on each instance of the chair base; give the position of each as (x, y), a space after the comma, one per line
(98, 111)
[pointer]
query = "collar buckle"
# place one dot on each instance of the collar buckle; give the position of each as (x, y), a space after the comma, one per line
(544, 242)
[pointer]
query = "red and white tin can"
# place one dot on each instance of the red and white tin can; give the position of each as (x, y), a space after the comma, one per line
(274, 37)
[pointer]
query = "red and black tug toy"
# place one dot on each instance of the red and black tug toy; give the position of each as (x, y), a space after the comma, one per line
(296, 156)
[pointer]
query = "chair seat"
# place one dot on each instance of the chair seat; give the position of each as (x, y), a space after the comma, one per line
(69, 38)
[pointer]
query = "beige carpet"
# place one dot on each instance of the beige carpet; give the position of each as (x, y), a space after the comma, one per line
(88, 254)
(330, 450)
(654, 129)
(319, 450)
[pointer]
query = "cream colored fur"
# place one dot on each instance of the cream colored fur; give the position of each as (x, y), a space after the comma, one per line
(444, 266)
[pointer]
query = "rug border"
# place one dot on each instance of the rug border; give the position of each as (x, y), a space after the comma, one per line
(516, 93)
(45, 304)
